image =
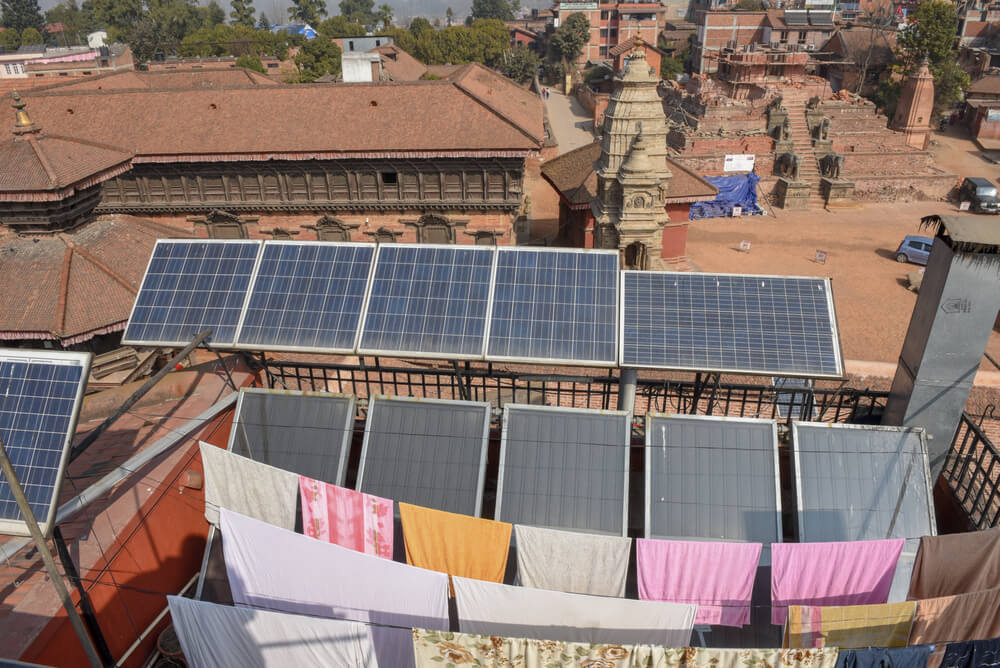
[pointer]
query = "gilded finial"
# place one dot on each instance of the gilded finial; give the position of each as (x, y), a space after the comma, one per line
(21, 118)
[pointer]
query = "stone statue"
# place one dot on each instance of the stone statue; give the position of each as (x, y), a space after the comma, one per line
(830, 165)
(788, 166)
(786, 129)
(824, 129)
(813, 102)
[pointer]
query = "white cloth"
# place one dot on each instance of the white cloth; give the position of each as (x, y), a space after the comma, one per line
(219, 636)
(248, 487)
(272, 568)
(488, 608)
(577, 563)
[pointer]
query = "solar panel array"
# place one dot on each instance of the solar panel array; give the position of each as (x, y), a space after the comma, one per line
(428, 452)
(40, 395)
(766, 325)
(469, 302)
(712, 478)
(564, 468)
(305, 433)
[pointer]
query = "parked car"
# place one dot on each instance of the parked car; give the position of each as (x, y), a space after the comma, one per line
(980, 193)
(914, 249)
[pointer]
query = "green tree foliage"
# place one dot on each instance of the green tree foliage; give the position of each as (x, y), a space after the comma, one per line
(250, 63)
(78, 22)
(263, 23)
(307, 11)
(340, 26)
(121, 17)
(670, 67)
(212, 14)
(146, 39)
(10, 40)
(242, 13)
(420, 25)
(237, 40)
(176, 19)
(568, 39)
(31, 37)
(750, 5)
(521, 64)
(449, 16)
(495, 9)
(360, 11)
(318, 57)
(485, 41)
(21, 14)
(384, 15)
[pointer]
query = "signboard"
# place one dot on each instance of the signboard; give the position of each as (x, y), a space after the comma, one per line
(963, 206)
(577, 6)
(737, 211)
(820, 256)
(745, 246)
(993, 115)
(739, 163)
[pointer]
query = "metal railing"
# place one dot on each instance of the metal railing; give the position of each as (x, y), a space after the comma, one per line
(972, 469)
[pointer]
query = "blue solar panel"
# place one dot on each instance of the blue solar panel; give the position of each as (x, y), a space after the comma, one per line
(721, 322)
(307, 296)
(551, 305)
(39, 399)
(428, 300)
(191, 285)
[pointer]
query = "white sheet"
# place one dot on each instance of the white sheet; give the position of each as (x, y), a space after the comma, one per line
(248, 487)
(488, 608)
(219, 636)
(577, 563)
(273, 568)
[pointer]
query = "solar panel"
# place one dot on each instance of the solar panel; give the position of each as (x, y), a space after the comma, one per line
(555, 306)
(855, 482)
(190, 285)
(428, 452)
(712, 478)
(564, 468)
(308, 433)
(40, 396)
(766, 325)
(428, 301)
(307, 297)
(799, 18)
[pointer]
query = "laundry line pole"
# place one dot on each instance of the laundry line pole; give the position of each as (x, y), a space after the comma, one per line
(50, 564)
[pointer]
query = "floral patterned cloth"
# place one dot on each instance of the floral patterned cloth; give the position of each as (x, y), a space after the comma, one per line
(443, 649)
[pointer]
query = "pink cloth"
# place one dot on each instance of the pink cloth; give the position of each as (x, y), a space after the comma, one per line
(361, 522)
(825, 574)
(717, 576)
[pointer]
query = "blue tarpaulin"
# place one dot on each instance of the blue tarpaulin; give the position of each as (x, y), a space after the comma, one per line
(734, 190)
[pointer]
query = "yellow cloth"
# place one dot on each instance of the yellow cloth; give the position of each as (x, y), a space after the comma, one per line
(461, 545)
(849, 626)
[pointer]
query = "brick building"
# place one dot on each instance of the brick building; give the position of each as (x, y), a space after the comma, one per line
(34, 66)
(982, 111)
(612, 23)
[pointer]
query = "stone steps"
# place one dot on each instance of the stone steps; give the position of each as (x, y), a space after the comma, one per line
(801, 140)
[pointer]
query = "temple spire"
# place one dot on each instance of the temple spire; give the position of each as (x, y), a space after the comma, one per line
(22, 122)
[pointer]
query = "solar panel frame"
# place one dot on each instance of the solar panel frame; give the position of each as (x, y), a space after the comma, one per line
(361, 349)
(648, 474)
(616, 327)
(18, 527)
(345, 443)
(504, 441)
(798, 426)
(241, 344)
(212, 341)
(837, 349)
(485, 406)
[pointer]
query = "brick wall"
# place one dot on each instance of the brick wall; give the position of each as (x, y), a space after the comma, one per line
(883, 163)
(903, 188)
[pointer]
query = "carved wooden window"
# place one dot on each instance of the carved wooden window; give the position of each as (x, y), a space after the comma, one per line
(272, 190)
(384, 236)
(390, 185)
(281, 234)
(226, 230)
(484, 238)
(298, 190)
(435, 233)
(213, 188)
(474, 186)
(130, 190)
(452, 186)
(251, 187)
(409, 186)
(111, 193)
(331, 229)
(432, 185)
(341, 190)
(494, 186)
(515, 181)
(155, 189)
(369, 186)
(317, 185)
(176, 188)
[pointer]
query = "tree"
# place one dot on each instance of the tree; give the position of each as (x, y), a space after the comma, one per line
(384, 15)
(307, 11)
(263, 23)
(670, 67)
(31, 37)
(212, 14)
(419, 25)
(750, 5)
(10, 40)
(176, 19)
(21, 14)
(931, 33)
(318, 57)
(449, 15)
(361, 11)
(250, 63)
(78, 22)
(340, 26)
(146, 39)
(120, 16)
(495, 9)
(569, 38)
(521, 64)
(243, 13)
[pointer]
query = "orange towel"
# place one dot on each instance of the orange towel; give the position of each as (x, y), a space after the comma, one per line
(461, 545)
(945, 619)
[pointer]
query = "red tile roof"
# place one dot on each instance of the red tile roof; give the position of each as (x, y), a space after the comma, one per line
(988, 85)
(475, 111)
(164, 80)
(399, 65)
(75, 285)
(38, 166)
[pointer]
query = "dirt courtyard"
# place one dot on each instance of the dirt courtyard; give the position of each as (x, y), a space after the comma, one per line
(872, 301)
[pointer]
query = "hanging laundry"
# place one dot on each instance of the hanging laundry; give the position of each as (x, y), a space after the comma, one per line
(219, 636)
(959, 563)
(974, 616)
(851, 626)
(576, 563)
(849, 573)
(455, 544)
(698, 657)
(281, 570)
(361, 522)
(972, 654)
(248, 487)
(905, 657)
(717, 576)
(523, 612)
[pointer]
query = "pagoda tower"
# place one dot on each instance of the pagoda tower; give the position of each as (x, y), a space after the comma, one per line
(916, 104)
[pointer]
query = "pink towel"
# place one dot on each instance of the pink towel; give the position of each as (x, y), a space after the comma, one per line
(825, 574)
(717, 576)
(347, 518)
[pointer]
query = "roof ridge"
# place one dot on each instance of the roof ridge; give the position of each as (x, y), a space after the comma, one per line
(46, 165)
(90, 142)
(79, 250)
(155, 224)
(63, 288)
(458, 84)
